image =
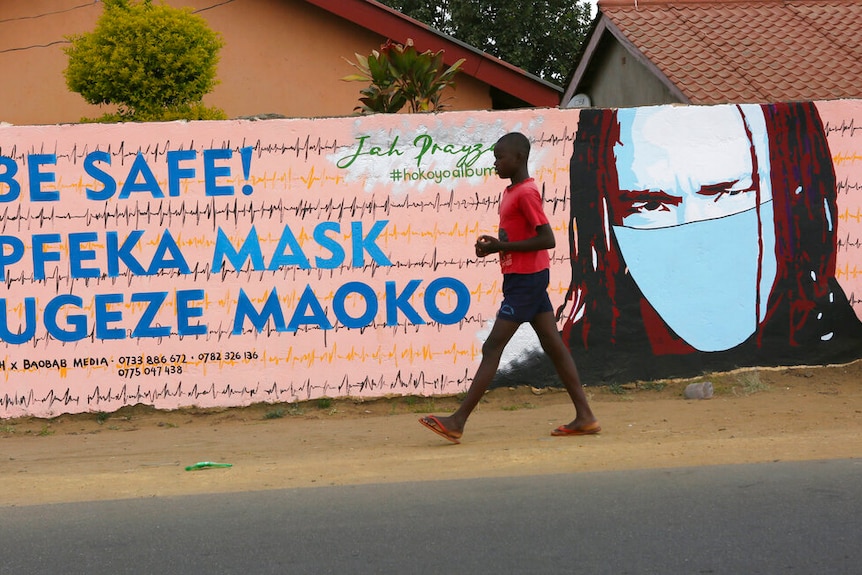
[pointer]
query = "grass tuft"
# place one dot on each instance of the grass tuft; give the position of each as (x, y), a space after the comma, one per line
(652, 385)
(751, 383)
(274, 414)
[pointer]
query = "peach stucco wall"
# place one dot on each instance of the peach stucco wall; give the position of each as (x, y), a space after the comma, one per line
(281, 57)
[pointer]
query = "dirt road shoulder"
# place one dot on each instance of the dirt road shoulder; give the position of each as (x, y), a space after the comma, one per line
(755, 416)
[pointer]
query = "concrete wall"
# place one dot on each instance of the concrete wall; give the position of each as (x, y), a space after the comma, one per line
(280, 57)
(228, 263)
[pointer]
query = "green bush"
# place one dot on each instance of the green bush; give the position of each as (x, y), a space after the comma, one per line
(196, 111)
(153, 62)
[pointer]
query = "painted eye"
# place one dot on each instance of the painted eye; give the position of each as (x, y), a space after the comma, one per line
(732, 188)
(642, 203)
(650, 206)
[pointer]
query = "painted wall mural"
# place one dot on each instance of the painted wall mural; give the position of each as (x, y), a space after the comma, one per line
(229, 263)
(709, 238)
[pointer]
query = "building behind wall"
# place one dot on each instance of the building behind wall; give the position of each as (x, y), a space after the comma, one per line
(281, 57)
(649, 52)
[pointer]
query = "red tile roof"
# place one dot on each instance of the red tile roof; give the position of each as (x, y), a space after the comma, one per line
(717, 51)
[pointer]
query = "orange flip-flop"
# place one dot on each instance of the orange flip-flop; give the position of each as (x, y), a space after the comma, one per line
(434, 424)
(589, 429)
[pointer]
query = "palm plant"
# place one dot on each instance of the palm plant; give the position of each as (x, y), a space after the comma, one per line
(400, 75)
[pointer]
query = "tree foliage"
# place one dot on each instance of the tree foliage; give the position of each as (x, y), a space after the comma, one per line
(153, 62)
(542, 37)
(400, 75)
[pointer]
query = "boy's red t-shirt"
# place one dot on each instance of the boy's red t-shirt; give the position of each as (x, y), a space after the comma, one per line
(520, 214)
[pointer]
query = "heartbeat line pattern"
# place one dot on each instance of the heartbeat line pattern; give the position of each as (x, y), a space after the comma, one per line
(844, 135)
(209, 394)
(303, 147)
(212, 213)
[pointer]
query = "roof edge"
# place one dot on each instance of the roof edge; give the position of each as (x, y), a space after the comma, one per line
(646, 62)
(638, 3)
(605, 25)
(586, 57)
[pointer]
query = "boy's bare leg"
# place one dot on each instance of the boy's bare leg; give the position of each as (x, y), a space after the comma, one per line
(492, 351)
(552, 343)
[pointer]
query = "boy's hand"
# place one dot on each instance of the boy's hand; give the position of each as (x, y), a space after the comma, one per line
(487, 245)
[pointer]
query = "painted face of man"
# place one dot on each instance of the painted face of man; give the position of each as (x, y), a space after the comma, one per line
(681, 165)
(692, 215)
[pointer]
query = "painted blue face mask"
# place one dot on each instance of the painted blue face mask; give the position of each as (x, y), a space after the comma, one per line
(697, 234)
(704, 283)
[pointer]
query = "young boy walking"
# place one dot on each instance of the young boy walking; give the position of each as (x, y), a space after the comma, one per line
(525, 238)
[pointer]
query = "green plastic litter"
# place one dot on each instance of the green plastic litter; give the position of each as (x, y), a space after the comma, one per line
(207, 465)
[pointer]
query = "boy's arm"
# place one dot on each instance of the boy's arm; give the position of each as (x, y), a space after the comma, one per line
(543, 240)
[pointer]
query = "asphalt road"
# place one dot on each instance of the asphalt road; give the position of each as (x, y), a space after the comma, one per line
(794, 518)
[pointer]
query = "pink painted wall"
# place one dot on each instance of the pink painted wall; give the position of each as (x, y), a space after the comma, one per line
(843, 125)
(366, 281)
(418, 189)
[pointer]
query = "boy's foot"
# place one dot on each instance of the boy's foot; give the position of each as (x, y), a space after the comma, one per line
(586, 429)
(433, 423)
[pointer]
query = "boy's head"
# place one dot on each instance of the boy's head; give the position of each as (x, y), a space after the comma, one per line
(510, 156)
(516, 142)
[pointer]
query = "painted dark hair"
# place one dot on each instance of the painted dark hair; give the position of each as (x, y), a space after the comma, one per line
(807, 319)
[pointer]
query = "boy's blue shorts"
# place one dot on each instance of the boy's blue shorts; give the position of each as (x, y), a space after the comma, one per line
(525, 296)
